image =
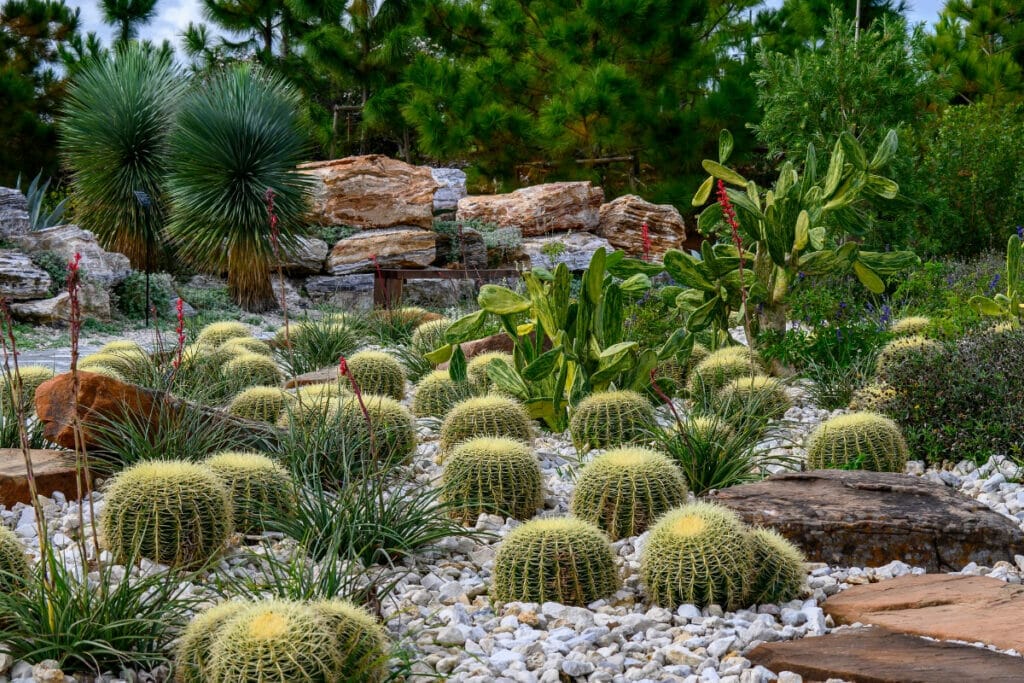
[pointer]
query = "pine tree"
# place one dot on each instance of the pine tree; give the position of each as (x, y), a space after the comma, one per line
(126, 16)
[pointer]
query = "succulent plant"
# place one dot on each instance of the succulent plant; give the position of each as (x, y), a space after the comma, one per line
(122, 346)
(378, 373)
(240, 345)
(697, 554)
(258, 487)
(555, 559)
(251, 369)
(492, 475)
(173, 512)
(193, 650)
(393, 427)
(624, 490)
(911, 325)
(321, 392)
(739, 399)
(437, 393)
(872, 398)
(31, 377)
(217, 333)
(721, 367)
(709, 427)
(429, 335)
(125, 364)
(476, 369)
(362, 642)
(275, 641)
(264, 404)
(901, 349)
(485, 416)
(779, 572)
(611, 418)
(865, 440)
(13, 565)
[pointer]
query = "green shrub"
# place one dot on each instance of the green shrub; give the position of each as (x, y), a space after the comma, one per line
(901, 350)
(476, 369)
(258, 486)
(174, 513)
(857, 440)
(556, 559)
(217, 333)
(263, 404)
(485, 416)
(779, 572)
(611, 418)
(721, 367)
(624, 490)
(13, 566)
(251, 369)
(56, 266)
(375, 372)
(130, 295)
(492, 475)
(437, 393)
(698, 554)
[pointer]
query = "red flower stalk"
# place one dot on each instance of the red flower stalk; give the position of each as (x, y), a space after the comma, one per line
(343, 371)
(74, 286)
(729, 213)
(645, 235)
(179, 311)
(275, 231)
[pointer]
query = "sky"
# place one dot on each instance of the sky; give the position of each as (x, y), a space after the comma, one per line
(174, 15)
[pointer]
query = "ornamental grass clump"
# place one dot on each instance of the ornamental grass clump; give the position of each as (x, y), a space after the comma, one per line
(864, 440)
(779, 572)
(611, 418)
(698, 554)
(437, 393)
(175, 513)
(476, 369)
(315, 344)
(375, 372)
(624, 490)
(555, 559)
(485, 416)
(259, 488)
(263, 404)
(494, 476)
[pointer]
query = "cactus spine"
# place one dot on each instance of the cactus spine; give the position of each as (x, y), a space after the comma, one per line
(611, 418)
(492, 475)
(870, 440)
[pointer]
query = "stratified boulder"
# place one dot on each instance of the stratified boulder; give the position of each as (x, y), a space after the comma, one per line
(622, 221)
(367, 250)
(372, 191)
(307, 258)
(14, 218)
(539, 209)
(20, 279)
(105, 267)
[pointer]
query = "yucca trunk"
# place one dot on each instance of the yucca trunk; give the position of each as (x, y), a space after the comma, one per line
(249, 278)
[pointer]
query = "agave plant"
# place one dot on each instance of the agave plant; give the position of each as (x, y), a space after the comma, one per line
(236, 142)
(114, 140)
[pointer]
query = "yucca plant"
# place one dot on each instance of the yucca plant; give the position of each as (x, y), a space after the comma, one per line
(235, 148)
(114, 139)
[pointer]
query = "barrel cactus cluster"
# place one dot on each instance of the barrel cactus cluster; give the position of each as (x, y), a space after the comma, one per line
(486, 416)
(611, 418)
(703, 554)
(721, 367)
(476, 369)
(910, 325)
(903, 349)
(375, 372)
(280, 641)
(492, 475)
(215, 334)
(260, 489)
(862, 440)
(437, 393)
(429, 335)
(390, 434)
(13, 565)
(251, 369)
(745, 397)
(263, 404)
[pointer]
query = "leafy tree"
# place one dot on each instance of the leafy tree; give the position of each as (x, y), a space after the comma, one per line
(126, 16)
(114, 132)
(979, 46)
(236, 138)
(33, 34)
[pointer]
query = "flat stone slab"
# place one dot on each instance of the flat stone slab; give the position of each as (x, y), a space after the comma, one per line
(875, 655)
(942, 606)
(54, 471)
(868, 519)
(321, 376)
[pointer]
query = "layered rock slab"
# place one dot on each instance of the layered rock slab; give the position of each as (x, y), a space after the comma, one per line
(538, 209)
(868, 519)
(623, 218)
(875, 655)
(941, 606)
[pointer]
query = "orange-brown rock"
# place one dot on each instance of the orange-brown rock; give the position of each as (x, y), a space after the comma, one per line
(867, 519)
(392, 248)
(875, 655)
(539, 209)
(53, 471)
(102, 401)
(495, 342)
(941, 606)
(622, 222)
(322, 376)
(372, 191)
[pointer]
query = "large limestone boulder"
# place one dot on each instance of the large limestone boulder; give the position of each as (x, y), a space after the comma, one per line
(539, 209)
(93, 298)
(391, 248)
(106, 267)
(52, 470)
(574, 250)
(14, 218)
(372, 191)
(347, 292)
(622, 221)
(20, 279)
(452, 188)
(307, 258)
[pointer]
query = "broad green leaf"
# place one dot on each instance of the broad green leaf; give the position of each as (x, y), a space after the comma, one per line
(803, 233)
(868, 278)
(724, 173)
(724, 146)
(593, 278)
(709, 219)
(883, 187)
(543, 408)
(853, 150)
(641, 372)
(501, 300)
(701, 317)
(888, 262)
(675, 343)
(835, 170)
(684, 269)
(543, 366)
(703, 192)
(457, 366)
(819, 262)
(986, 306)
(502, 374)
(817, 238)
(464, 328)
(525, 329)
(440, 355)
(886, 151)
(636, 284)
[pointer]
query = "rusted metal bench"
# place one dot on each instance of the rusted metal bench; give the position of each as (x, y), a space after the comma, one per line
(387, 285)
